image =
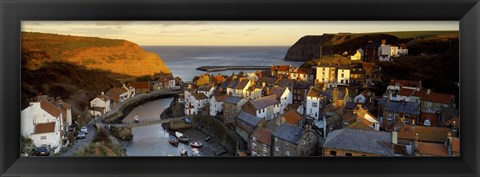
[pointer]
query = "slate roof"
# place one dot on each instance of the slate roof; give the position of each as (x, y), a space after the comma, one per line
(267, 80)
(264, 102)
(233, 84)
(303, 84)
(284, 82)
(248, 118)
(403, 107)
(233, 100)
(278, 91)
(288, 132)
(374, 142)
(204, 88)
(220, 98)
(225, 84)
(242, 84)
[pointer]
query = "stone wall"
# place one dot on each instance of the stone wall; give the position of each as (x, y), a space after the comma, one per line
(217, 131)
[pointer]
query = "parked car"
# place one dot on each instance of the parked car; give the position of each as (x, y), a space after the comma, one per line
(71, 128)
(84, 129)
(42, 151)
(81, 135)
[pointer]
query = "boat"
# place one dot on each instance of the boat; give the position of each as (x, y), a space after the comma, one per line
(207, 138)
(196, 144)
(183, 152)
(181, 137)
(173, 140)
(136, 119)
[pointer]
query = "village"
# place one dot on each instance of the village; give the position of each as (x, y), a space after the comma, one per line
(328, 109)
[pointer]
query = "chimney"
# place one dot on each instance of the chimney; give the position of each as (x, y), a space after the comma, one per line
(103, 93)
(267, 92)
(428, 91)
(384, 41)
(263, 84)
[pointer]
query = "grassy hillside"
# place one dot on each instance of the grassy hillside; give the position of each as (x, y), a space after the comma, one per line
(118, 56)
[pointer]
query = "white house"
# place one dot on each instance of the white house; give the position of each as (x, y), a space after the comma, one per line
(42, 122)
(314, 106)
(242, 87)
(120, 94)
(343, 76)
(326, 73)
(196, 103)
(100, 105)
(284, 95)
(207, 90)
(216, 104)
(267, 107)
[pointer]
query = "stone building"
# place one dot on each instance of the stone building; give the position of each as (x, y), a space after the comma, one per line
(290, 140)
(231, 107)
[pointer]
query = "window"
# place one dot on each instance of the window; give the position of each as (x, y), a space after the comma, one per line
(276, 139)
(314, 105)
(276, 148)
(43, 137)
(342, 74)
(333, 153)
(287, 153)
(348, 154)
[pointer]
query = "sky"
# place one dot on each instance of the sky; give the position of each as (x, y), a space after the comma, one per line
(224, 33)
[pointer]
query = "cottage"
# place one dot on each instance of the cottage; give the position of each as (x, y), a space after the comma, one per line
(357, 74)
(356, 142)
(364, 117)
(42, 122)
(267, 107)
(232, 106)
(326, 73)
(291, 117)
(283, 95)
(120, 94)
(343, 76)
(300, 91)
(100, 105)
(246, 124)
(314, 102)
(398, 112)
(358, 55)
(290, 140)
(216, 104)
(207, 90)
(371, 51)
(261, 142)
(385, 51)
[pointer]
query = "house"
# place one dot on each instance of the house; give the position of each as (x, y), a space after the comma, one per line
(397, 85)
(100, 105)
(357, 142)
(326, 73)
(373, 73)
(285, 82)
(246, 124)
(283, 95)
(141, 87)
(260, 143)
(120, 94)
(232, 106)
(207, 90)
(166, 80)
(66, 112)
(266, 81)
(242, 87)
(337, 96)
(433, 102)
(42, 121)
(357, 74)
(267, 107)
(343, 75)
(231, 87)
(364, 117)
(358, 55)
(297, 73)
(395, 112)
(216, 104)
(314, 102)
(290, 140)
(385, 51)
(300, 91)
(254, 91)
(198, 101)
(291, 117)
(449, 148)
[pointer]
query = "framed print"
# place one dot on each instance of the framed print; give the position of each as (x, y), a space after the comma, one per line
(245, 88)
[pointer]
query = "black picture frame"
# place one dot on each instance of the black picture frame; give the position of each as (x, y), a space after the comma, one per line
(13, 12)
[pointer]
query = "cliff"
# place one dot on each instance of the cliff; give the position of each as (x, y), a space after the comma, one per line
(308, 47)
(79, 68)
(113, 55)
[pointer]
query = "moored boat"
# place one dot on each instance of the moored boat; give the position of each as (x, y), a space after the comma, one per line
(196, 144)
(173, 140)
(181, 137)
(207, 138)
(183, 152)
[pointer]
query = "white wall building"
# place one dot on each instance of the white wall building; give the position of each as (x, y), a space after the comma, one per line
(326, 73)
(313, 103)
(216, 104)
(100, 105)
(343, 75)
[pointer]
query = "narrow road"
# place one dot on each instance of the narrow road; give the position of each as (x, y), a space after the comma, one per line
(79, 143)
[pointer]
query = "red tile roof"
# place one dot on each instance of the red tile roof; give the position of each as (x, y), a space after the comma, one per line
(405, 83)
(292, 117)
(406, 132)
(140, 85)
(45, 128)
(430, 116)
(283, 68)
(456, 145)
(434, 97)
(263, 135)
(406, 92)
(50, 108)
(103, 98)
(432, 149)
(432, 134)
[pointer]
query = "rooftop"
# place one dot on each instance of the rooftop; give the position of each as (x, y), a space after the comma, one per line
(263, 135)
(373, 142)
(233, 99)
(45, 128)
(403, 107)
(248, 118)
(288, 132)
(264, 102)
(292, 117)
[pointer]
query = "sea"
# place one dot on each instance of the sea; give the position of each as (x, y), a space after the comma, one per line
(183, 60)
